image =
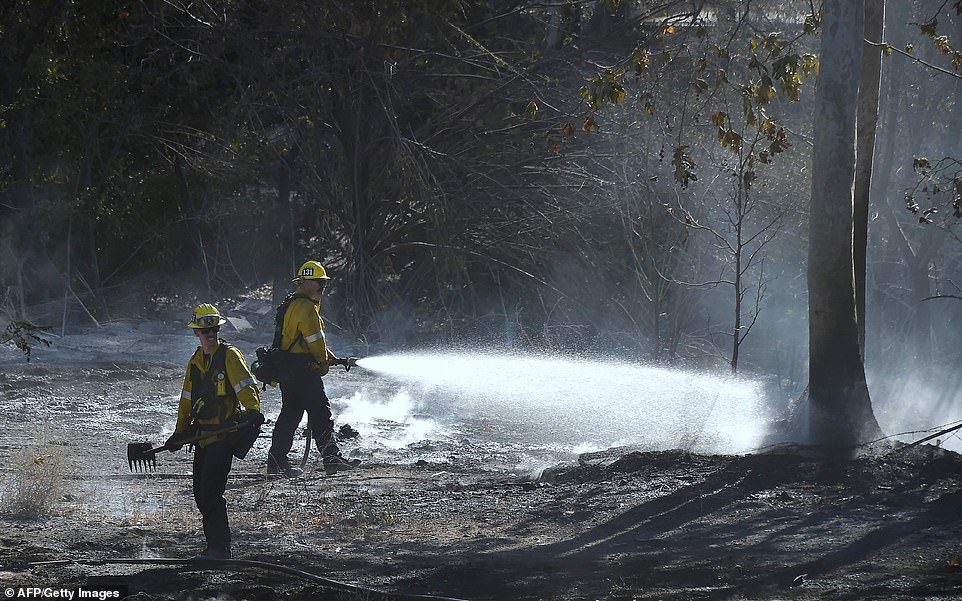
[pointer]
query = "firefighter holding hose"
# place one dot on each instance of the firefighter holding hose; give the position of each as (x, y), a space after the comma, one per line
(305, 360)
(219, 391)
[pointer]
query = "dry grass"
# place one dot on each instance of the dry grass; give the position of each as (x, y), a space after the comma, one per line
(365, 517)
(36, 482)
(164, 506)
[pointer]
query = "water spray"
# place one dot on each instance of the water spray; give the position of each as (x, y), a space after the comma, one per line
(567, 402)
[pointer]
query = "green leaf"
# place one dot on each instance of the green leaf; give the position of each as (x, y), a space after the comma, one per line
(553, 146)
(589, 125)
(531, 111)
(23, 334)
(684, 166)
(779, 141)
(942, 43)
(730, 139)
(642, 60)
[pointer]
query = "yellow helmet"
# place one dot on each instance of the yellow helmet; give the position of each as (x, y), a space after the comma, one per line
(206, 316)
(311, 270)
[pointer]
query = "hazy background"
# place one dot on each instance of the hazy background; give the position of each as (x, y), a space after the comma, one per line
(443, 161)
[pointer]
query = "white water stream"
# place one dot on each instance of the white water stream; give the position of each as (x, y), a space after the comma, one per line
(545, 407)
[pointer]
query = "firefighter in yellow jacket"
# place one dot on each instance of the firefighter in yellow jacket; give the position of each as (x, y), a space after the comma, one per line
(219, 392)
(306, 359)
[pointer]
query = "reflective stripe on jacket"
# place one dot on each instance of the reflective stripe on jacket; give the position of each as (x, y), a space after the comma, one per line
(237, 386)
(303, 331)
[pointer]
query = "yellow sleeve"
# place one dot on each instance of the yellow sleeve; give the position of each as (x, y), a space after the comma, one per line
(311, 328)
(183, 408)
(238, 374)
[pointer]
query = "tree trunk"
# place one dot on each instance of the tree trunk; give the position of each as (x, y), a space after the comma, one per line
(86, 194)
(839, 404)
(552, 40)
(191, 210)
(870, 77)
(739, 293)
(284, 263)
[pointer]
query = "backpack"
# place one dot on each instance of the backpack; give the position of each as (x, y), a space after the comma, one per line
(269, 363)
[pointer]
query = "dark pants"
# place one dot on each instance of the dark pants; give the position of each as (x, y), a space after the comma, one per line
(303, 390)
(211, 466)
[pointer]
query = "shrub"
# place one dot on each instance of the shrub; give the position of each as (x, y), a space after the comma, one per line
(36, 482)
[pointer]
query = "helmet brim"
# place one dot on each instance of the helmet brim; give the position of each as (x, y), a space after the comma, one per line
(196, 326)
(299, 280)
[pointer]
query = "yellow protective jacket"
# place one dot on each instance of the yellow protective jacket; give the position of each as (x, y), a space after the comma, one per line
(237, 387)
(303, 332)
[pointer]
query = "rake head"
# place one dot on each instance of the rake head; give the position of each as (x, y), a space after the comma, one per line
(141, 457)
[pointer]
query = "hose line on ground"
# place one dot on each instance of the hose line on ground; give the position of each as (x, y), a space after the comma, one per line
(239, 564)
(955, 425)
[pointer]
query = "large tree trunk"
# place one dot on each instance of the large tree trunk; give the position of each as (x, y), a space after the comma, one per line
(870, 77)
(839, 404)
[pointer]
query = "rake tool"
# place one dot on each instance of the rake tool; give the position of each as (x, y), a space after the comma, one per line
(143, 455)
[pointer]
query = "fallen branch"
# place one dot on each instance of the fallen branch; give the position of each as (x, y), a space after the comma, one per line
(928, 438)
(955, 296)
(84, 307)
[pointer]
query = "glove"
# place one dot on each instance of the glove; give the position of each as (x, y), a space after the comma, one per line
(174, 442)
(254, 417)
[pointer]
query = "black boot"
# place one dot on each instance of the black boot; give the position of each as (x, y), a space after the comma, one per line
(281, 466)
(334, 462)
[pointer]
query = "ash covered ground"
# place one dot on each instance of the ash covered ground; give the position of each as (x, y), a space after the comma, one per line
(460, 508)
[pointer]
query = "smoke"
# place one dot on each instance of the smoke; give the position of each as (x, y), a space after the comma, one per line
(908, 402)
(393, 421)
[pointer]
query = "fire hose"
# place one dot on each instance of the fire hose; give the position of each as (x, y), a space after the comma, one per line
(240, 564)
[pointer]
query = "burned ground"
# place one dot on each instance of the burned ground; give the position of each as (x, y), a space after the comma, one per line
(617, 524)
